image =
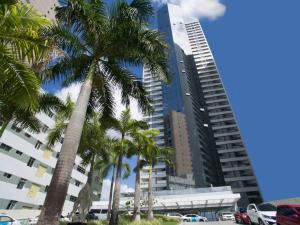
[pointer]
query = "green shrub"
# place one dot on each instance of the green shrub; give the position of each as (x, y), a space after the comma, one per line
(62, 223)
(98, 222)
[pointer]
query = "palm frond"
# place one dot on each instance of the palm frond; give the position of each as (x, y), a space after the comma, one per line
(20, 83)
(126, 170)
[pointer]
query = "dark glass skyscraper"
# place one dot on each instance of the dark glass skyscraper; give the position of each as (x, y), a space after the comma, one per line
(198, 119)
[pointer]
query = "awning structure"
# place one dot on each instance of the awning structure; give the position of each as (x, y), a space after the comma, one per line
(197, 198)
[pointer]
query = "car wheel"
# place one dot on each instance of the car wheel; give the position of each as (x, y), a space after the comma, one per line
(185, 220)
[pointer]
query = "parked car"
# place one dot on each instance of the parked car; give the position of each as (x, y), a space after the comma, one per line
(262, 214)
(193, 218)
(174, 215)
(8, 220)
(241, 216)
(101, 214)
(227, 216)
(288, 214)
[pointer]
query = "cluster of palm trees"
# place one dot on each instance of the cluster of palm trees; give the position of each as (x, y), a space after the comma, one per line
(90, 43)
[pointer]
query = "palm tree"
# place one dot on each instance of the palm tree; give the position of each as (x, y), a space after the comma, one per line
(154, 154)
(94, 149)
(141, 138)
(61, 122)
(21, 45)
(96, 44)
(25, 118)
(110, 165)
(125, 126)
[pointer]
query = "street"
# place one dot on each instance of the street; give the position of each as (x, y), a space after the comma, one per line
(210, 223)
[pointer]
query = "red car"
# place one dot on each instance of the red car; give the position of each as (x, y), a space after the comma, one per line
(241, 216)
(288, 214)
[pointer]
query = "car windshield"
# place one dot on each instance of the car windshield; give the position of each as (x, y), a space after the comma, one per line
(227, 213)
(266, 207)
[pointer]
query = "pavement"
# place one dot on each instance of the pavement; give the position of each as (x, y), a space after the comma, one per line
(210, 223)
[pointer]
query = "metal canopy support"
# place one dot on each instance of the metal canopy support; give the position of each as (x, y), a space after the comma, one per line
(177, 205)
(205, 207)
(221, 202)
(192, 204)
(164, 205)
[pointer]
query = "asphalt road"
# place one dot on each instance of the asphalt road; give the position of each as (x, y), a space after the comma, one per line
(211, 223)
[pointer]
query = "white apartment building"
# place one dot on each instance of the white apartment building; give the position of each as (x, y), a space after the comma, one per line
(46, 7)
(27, 166)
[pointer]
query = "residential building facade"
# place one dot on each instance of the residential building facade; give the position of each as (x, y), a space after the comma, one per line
(27, 166)
(198, 120)
(156, 120)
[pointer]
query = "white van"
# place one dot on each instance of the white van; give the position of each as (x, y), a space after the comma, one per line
(101, 214)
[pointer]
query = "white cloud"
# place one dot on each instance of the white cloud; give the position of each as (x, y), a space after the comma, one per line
(195, 9)
(73, 90)
(106, 189)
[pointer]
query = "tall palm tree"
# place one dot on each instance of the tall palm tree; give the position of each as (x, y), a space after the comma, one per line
(141, 138)
(21, 45)
(154, 154)
(96, 44)
(125, 126)
(110, 165)
(94, 149)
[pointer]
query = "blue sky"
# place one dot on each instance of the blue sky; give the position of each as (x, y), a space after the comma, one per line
(256, 47)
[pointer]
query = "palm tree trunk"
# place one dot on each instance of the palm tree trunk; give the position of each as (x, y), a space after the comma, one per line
(137, 193)
(111, 192)
(117, 190)
(150, 195)
(3, 127)
(59, 184)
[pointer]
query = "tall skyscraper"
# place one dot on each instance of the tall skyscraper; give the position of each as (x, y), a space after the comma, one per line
(198, 120)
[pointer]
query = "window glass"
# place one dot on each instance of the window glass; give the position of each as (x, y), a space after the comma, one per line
(95, 211)
(5, 219)
(104, 211)
(288, 212)
(266, 207)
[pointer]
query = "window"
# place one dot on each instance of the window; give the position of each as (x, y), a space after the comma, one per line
(19, 153)
(5, 219)
(81, 169)
(30, 162)
(21, 183)
(103, 211)
(46, 188)
(266, 207)
(50, 114)
(57, 155)
(5, 147)
(45, 128)
(7, 175)
(11, 204)
(17, 129)
(27, 135)
(38, 145)
(77, 183)
(73, 198)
